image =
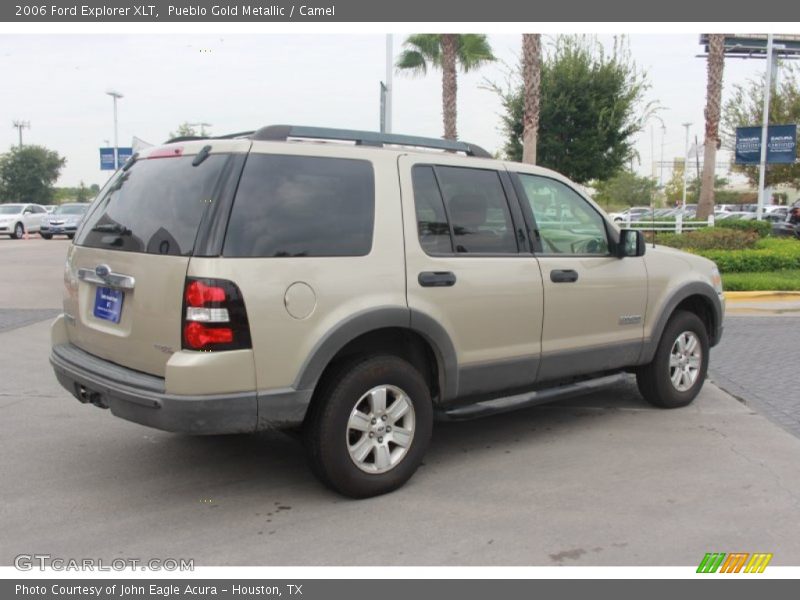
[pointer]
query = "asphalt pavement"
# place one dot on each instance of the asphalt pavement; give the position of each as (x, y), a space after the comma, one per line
(600, 480)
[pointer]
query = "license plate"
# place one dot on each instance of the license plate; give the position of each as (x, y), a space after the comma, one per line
(108, 304)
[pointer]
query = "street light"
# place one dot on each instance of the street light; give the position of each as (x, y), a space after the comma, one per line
(202, 127)
(116, 96)
(20, 125)
(685, 167)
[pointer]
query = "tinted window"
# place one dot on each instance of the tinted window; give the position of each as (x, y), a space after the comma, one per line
(434, 232)
(302, 206)
(475, 205)
(567, 223)
(154, 207)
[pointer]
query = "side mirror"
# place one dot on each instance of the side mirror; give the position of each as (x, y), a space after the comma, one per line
(631, 243)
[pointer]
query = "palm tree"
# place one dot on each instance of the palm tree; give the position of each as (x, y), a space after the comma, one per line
(716, 64)
(445, 51)
(531, 81)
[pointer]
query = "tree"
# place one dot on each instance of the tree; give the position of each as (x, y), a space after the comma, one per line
(745, 107)
(625, 188)
(531, 82)
(591, 108)
(184, 130)
(715, 67)
(27, 174)
(445, 51)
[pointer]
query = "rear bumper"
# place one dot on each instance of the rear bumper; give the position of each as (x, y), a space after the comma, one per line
(141, 398)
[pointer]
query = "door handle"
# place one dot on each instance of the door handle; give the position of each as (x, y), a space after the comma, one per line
(437, 279)
(563, 276)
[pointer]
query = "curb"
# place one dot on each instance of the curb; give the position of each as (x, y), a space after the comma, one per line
(763, 296)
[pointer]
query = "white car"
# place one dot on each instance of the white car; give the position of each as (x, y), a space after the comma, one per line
(17, 219)
(635, 212)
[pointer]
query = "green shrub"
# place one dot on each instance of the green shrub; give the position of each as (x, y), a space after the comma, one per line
(763, 228)
(710, 238)
(770, 254)
(787, 280)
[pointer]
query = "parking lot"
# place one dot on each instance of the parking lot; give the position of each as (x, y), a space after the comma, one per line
(599, 480)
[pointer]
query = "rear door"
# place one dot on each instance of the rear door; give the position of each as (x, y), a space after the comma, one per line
(127, 269)
(469, 270)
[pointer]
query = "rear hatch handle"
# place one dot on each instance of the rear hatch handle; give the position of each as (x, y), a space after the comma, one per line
(102, 275)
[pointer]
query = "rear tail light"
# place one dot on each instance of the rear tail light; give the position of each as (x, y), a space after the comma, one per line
(214, 316)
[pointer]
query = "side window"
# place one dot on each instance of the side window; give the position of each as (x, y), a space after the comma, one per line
(462, 209)
(567, 223)
(302, 206)
(432, 226)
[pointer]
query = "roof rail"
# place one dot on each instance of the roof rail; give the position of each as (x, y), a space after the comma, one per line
(365, 138)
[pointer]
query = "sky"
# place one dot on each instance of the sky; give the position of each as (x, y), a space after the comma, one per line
(236, 82)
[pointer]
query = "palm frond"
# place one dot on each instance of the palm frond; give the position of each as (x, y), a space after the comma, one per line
(474, 51)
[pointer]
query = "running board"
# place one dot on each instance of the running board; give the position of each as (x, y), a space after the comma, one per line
(509, 403)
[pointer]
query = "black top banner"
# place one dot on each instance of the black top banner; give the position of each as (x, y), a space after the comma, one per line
(471, 11)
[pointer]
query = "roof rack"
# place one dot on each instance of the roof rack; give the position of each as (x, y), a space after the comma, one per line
(365, 138)
(281, 133)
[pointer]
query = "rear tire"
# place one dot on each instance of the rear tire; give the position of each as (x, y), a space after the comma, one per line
(678, 369)
(370, 427)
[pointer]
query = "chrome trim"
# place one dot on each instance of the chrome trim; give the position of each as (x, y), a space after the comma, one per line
(114, 280)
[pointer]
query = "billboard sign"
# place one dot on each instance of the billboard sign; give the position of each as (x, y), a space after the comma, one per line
(781, 145)
(107, 158)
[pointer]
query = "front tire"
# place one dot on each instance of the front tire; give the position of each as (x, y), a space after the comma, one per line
(370, 427)
(47, 236)
(19, 231)
(678, 369)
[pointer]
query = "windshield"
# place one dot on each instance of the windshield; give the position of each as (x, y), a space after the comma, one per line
(70, 209)
(154, 207)
(10, 209)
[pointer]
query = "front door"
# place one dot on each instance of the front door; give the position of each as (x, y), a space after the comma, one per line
(594, 302)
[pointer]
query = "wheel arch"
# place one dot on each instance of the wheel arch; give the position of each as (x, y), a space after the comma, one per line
(410, 335)
(696, 297)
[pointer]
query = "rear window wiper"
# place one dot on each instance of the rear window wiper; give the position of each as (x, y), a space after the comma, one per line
(112, 228)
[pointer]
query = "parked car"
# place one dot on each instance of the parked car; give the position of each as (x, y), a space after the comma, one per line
(64, 220)
(50, 207)
(354, 291)
(17, 219)
(634, 213)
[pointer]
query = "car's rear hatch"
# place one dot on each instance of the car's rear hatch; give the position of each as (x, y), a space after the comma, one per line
(125, 274)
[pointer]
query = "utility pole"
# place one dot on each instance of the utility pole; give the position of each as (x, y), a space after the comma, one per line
(661, 168)
(20, 125)
(685, 166)
(202, 127)
(388, 86)
(762, 165)
(116, 96)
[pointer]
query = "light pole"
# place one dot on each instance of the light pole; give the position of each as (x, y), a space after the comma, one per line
(762, 165)
(116, 96)
(20, 125)
(685, 167)
(202, 127)
(389, 86)
(661, 170)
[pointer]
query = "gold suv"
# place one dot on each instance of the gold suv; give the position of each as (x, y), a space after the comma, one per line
(354, 285)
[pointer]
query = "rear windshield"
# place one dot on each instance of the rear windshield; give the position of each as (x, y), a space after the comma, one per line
(155, 207)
